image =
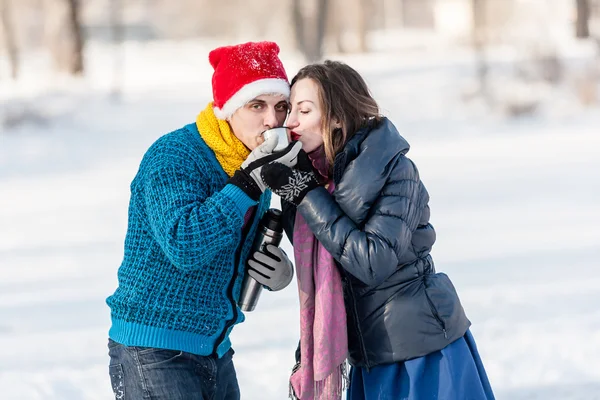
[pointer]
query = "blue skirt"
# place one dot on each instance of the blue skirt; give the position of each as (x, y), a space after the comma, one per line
(453, 373)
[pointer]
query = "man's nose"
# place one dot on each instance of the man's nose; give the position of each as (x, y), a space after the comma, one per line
(271, 118)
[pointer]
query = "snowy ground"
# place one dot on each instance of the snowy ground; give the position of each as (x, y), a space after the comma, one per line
(515, 205)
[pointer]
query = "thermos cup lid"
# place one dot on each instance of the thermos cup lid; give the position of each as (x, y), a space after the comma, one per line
(272, 220)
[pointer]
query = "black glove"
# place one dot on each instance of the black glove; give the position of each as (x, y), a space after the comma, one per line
(290, 184)
(248, 177)
(272, 268)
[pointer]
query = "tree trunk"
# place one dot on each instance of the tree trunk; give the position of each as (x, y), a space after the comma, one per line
(63, 35)
(9, 38)
(310, 29)
(117, 31)
(392, 14)
(335, 23)
(321, 18)
(361, 26)
(298, 19)
(478, 41)
(74, 24)
(582, 24)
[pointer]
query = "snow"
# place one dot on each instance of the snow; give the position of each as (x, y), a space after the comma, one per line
(514, 203)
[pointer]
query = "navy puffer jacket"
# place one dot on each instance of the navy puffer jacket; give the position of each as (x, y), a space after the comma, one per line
(376, 226)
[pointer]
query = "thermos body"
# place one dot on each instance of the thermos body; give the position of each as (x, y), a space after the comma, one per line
(270, 231)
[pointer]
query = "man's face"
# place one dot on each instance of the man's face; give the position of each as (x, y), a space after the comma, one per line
(259, 114)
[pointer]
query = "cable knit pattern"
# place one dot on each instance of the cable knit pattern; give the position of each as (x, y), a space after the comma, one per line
(185, 225)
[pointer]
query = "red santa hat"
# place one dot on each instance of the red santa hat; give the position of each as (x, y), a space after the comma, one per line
(243, 72)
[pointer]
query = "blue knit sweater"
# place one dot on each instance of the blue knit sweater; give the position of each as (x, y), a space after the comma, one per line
(182, 270)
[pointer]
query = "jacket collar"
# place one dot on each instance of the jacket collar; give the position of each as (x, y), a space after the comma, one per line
(351, 150)
(395, 143)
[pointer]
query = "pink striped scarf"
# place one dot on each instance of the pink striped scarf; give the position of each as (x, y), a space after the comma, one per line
(323, 336)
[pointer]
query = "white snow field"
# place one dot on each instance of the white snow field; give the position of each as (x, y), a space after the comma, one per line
(515, 204)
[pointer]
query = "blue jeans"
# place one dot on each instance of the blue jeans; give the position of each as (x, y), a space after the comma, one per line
(156, 374)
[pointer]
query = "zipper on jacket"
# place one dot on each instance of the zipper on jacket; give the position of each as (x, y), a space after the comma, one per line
(361, 341)
(435, 314)
(232, 302)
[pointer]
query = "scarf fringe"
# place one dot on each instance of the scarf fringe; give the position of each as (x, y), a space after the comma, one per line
(292, 393)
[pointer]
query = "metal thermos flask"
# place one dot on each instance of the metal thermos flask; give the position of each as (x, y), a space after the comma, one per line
(270, 231)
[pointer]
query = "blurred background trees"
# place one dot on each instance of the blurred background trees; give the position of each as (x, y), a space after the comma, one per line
(313, 29)
(63, 34)
(8, 32)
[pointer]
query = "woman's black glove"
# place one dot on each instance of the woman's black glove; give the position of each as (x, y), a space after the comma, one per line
(291, 184)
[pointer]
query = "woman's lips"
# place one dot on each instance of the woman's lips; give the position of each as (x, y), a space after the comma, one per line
(294, 136)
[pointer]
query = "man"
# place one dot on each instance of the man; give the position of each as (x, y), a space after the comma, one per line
(195, 204)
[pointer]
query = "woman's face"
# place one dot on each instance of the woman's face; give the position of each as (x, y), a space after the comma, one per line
(305, 116)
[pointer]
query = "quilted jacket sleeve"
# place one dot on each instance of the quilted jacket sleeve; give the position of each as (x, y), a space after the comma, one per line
(369, 249)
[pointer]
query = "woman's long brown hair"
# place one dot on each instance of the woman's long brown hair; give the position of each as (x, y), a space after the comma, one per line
(345, 99)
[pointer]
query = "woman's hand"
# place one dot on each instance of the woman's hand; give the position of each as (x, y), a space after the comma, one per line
(291, 184)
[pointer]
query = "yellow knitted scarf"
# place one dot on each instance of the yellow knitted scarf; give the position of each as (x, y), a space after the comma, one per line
(217, 134)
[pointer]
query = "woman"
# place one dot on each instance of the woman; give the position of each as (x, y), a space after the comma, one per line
(358, 216)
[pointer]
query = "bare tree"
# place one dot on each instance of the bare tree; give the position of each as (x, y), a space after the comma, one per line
(309, 24)
(336, 27)
(64, 35)
(361, 24)
(418, 13)
(118, 33)
(9, 37)
(353, 19)
(74, 24)
(298, 19)
(391, 13)
(478, 41)
(582, 24)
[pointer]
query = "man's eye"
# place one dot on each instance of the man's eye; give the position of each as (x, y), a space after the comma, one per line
(282, 107)
(256, 106)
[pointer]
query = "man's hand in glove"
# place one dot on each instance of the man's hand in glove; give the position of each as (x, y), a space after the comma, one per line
(272, 269)
(248, 177)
